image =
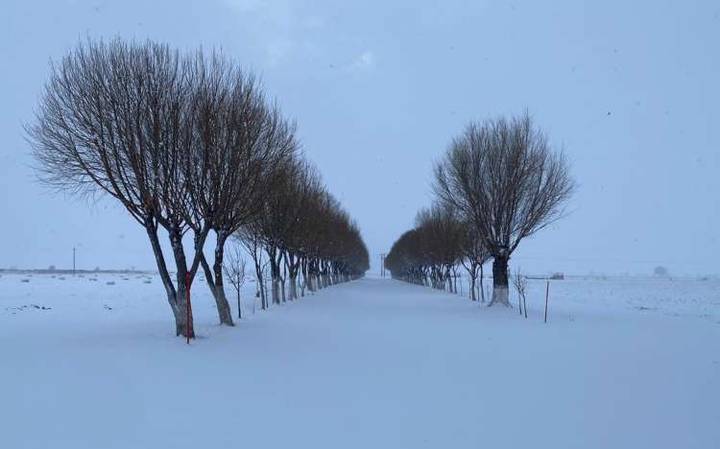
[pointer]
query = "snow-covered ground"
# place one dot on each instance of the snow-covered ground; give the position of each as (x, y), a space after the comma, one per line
(369, 364)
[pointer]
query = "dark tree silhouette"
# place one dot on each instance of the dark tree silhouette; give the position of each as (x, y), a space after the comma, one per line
(303, 231)
(235, 271)
(505, 179)
(240, 141)
(473, 257)
(119, 119)
(430, 253)
(187, 144)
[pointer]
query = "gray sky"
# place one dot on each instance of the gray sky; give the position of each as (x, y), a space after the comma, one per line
(629, 90)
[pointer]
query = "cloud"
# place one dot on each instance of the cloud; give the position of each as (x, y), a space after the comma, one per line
(286, 32)
(279, 27)
(364, 61)
(245, 5)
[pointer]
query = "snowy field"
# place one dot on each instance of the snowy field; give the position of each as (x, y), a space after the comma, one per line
(91, 363)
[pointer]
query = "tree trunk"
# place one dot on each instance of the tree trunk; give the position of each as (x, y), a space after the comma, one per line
(293, 287)
(239, 305)
(284, 276)
(500, 281)
(260, 285)
(274, 275)
(303, 268)
(282, 289)
(172, 293)
(520, 304)
(292, 268)
(473, 275)
(183, 311)
(223, 306)
(275, 290)
(217, 290)
(482, 285)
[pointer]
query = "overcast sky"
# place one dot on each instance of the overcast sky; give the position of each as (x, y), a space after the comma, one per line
(630, 90)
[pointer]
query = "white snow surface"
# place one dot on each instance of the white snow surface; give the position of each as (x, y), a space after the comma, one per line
(368, 364)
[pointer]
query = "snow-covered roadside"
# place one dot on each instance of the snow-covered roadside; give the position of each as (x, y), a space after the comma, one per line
(372, 363)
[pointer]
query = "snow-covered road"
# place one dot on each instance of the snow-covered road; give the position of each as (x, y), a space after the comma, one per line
(369, 364)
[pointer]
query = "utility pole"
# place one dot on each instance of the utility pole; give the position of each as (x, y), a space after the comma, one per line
(73, 261)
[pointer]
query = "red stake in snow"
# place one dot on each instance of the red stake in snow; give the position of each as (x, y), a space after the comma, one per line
(188, 309)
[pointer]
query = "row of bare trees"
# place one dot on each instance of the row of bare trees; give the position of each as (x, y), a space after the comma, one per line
(499, 182)
(437, 249)
(189, 145)
(303, 236)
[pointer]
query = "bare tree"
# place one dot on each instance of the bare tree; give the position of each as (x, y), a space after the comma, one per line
(520, 282)
(252, 241)
(441, 238)
(118, 119)
(407, 260)
(283, 213)
(188, 145)
(430, 253)
(240, 141)
(235, 272)
(473, 257)
(304, 231)
(300, 208)
(505, 179)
